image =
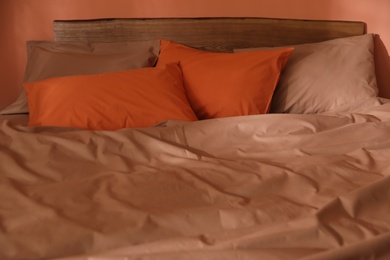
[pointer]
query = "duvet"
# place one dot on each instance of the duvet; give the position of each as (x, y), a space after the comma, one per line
(276, 186)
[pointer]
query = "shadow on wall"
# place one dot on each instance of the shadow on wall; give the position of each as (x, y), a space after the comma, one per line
(382, 67)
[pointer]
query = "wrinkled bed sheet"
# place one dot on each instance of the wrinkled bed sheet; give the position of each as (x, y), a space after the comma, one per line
(17, 119)
(252, 187)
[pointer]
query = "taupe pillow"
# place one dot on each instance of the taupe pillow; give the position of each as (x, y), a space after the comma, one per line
(319, 77)
(48, 59)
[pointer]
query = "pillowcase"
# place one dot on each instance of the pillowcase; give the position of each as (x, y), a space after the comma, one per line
(226, 84)
(319, 77)
(48, 59)
(131, 98)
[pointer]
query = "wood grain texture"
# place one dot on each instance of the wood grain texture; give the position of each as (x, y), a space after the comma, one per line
(214, 34)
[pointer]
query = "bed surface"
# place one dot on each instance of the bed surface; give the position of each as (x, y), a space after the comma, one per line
(19, 119)
(279, 186)
(262, 186)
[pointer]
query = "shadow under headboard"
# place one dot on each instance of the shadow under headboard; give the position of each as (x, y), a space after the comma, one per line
(215, 34)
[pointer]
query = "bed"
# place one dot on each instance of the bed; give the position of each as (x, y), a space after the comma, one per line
(197, 138)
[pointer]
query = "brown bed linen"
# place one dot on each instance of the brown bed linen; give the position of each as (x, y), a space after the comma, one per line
(253, 187)
(17, 119)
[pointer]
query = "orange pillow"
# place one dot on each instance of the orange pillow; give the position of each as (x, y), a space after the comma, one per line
(226, 84)
(131, 98)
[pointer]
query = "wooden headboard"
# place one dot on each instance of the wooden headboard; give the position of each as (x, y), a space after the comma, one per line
(215, 34)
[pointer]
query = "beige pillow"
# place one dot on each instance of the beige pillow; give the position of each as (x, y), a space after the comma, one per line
(48, 59)
(321, 76)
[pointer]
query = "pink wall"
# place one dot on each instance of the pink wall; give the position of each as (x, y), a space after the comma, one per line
(23, 20)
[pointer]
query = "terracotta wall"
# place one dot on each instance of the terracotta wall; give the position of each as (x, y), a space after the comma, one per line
(23, 20)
